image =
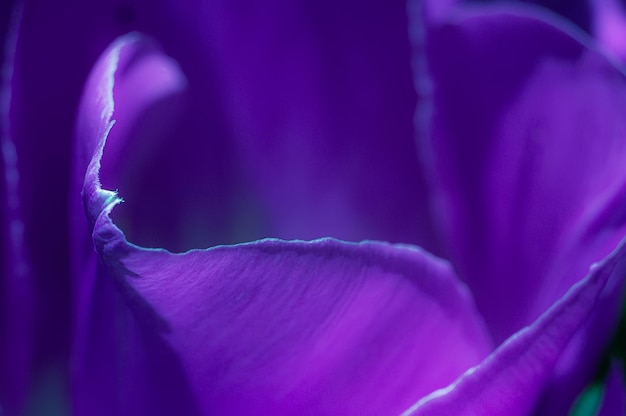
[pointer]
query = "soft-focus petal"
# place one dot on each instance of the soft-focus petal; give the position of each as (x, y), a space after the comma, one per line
(510, 381)
(316, 140)
(609, 26)
(614, 399)
(527, 150)
(274, 326)
(17, 303)
(576, 11)
(323, 121)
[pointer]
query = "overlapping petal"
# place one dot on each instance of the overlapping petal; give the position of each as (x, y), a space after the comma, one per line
(528, 150)
(235, 127)
(512, 379)
(323, 119)
(59, 42)
(273, 325)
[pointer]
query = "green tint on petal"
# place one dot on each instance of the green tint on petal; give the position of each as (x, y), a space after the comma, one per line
(49, 397)
(589, 401)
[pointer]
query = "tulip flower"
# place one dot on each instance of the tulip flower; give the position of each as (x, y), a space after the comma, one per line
(248, 221)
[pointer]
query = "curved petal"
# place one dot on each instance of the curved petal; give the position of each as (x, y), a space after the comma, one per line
(576, 11)
(108, 375)
(279, 327)
(317, 140)
(614, 400)
(527, 151)
(65, 38)
(510, 381)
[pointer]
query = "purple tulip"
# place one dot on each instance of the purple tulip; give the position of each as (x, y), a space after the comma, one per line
(223, 124)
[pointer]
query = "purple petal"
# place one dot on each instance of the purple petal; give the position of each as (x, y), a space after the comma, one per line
(614, 400)
(316, 141)
(17, 302)
(510, 381)
(109, 376)
(65, 38)
(275, 326)
(609, 26)
(527, 153)
(324, 121)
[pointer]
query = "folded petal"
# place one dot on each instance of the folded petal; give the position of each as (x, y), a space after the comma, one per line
(278, 327)
(316, 141)
(527, 152)
(113, 356)
(510, 381)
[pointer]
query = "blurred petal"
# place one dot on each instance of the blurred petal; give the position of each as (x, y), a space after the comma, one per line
(324, 121)
(614, 400)
(575, 11)
(609, 26)
(510, 381)
(17, 302)
(274, 326)
(527, 150)
(317, 140)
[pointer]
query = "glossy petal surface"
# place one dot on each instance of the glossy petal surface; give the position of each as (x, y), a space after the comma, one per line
(281, 327)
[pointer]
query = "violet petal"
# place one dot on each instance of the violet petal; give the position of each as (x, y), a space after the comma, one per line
(273, 325)
(317, 140)
(17, 295)
(510, 381)
(527, 150)
(609, 26)
(324, 122)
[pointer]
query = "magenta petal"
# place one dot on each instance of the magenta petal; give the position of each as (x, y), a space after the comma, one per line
(510, 381)
(614, 399)
(278, 327)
